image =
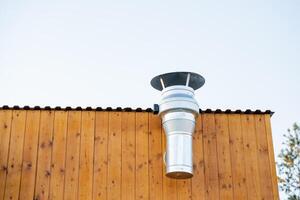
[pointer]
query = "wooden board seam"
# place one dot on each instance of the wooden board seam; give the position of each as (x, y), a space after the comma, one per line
(79, 154)
(37, 155)
(11, 121)
(22, 153)
(66, 149)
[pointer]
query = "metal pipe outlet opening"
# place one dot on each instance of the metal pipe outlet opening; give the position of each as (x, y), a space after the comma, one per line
(178, 109)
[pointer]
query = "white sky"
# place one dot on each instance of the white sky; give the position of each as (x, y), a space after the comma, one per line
(104, 53)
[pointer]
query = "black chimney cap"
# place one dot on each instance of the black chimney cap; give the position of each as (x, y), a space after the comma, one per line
(178, 78)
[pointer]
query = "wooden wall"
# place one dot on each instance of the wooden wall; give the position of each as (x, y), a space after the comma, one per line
(52, 154)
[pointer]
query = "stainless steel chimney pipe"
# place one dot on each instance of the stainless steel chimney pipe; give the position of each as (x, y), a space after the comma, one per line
(178, 109)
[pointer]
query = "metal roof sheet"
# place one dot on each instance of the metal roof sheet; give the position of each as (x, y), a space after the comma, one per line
(128, 109)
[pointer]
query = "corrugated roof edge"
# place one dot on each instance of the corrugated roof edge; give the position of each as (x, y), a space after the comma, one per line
(128, 109)
(248, 111)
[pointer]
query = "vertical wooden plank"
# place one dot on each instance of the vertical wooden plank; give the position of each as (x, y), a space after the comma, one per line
(271, 156)
(224, 161)
(169, 184)
(72, 155)
(86, 162)
(5, 127)
(100, 156)
(184, 189)
(30, 154)
(142, 178)
(198, 181)
(15, 155)
(250, 154)
(210, 157)
(237, 157)
(263, 158)
(155, 157)
(58, 155)
(128, 155)
(44, 155)
(114, 156)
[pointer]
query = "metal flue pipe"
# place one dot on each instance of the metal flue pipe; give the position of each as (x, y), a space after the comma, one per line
(178, 109)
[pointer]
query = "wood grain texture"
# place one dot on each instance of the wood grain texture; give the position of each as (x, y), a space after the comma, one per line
(210, 157)
(86, 162)
(142, 167)
(128, 155)
(30, 154)
(59, 154)
(198, 180)
(100, 156)
(155, 158)
(5, 127)
(184, 189)
(44, 155)
(114, 154)
(271, 156)
(250, 147)
(224, 158)
(72, 155)
(263, 158)
(14, 172)
(237, 157)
